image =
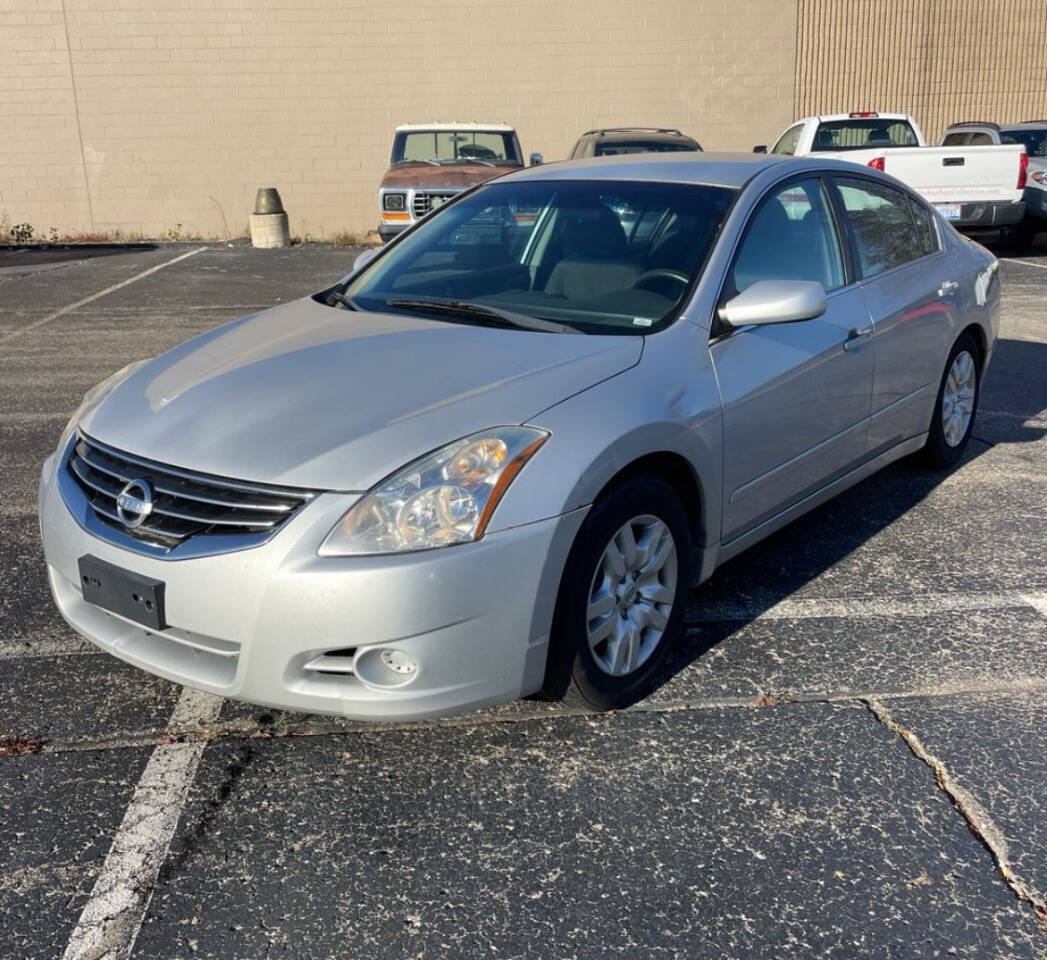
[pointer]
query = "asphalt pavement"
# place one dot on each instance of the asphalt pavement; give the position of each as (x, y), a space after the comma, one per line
(848, 760)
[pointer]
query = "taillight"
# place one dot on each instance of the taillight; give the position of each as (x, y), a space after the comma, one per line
(876, 163)
(1023, 170)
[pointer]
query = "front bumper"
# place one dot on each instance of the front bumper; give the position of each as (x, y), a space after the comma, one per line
(991, 215)
(474, 618)
(389, 230)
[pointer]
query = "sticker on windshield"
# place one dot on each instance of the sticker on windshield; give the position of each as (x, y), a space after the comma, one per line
(642, 321)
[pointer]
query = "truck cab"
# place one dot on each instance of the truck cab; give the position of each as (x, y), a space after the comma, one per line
(432, 163)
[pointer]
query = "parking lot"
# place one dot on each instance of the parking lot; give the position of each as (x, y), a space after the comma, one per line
(848, 760)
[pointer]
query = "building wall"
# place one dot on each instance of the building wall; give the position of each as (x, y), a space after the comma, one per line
(164, 116)
(940, 60)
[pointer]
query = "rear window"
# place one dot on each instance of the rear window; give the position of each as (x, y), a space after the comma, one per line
(615, 147)
(1034, 141)
(867, 133)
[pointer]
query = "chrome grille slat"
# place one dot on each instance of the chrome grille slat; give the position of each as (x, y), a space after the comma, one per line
(185, 504)
(423, 202)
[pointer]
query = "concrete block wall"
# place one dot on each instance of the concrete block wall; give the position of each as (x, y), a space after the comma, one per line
(160, 117)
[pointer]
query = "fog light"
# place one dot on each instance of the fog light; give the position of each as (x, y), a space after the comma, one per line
(399, 662)
(385, 667)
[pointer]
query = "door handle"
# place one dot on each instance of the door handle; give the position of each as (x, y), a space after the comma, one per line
(857, 337)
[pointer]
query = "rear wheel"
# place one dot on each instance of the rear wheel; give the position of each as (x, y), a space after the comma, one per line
(620, 605)
(957, 404)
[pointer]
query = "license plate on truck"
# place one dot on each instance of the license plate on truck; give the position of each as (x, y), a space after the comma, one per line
(951, 211)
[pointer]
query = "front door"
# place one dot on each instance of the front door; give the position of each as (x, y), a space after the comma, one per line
(796, 396)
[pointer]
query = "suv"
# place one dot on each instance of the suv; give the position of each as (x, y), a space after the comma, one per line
(433, 162)
(1032, 134)
(615, 140)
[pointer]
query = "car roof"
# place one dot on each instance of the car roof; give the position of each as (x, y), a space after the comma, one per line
(452, 125)
(1025, 125)
(632, 136)
(731, 170)
(871, 115)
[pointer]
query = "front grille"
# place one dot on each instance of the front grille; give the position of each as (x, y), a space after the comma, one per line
(185, 504)
(423, 202)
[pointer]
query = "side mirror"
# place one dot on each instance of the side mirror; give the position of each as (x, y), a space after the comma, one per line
(775, 301)
(537, 159)
(760, 148)
(365, 258)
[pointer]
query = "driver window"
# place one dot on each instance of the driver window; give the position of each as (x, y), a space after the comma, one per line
(790, 237)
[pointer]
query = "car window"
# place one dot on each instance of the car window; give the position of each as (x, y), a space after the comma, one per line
(614, 147)
(603, 256)
(1033, 139)
(924, 226)
(790, 237)
(882, 224)
(955, 139)
(853, 134)
(980, 139)
(456, 146)
(787, 141)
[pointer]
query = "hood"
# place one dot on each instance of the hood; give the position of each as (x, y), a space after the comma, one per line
(307, 395)
(459, 176)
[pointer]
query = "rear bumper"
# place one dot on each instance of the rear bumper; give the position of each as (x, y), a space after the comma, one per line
(1036, 202)
(990, 215)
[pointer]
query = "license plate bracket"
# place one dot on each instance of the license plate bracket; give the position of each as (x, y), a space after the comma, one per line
(129, 594)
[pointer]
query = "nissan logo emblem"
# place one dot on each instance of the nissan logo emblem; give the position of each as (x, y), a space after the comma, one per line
(134, 503)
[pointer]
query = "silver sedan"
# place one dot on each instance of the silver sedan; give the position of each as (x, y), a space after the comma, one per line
(493, 459)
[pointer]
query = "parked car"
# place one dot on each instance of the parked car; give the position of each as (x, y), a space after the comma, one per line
(492, 460)
(613, 141)
(978, 191)
(432, 163)
(1032, 135)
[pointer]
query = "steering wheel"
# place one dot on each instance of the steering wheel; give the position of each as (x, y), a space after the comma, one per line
(661, 274)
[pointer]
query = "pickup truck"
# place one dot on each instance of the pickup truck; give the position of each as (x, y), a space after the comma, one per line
(979, 190)
(432, 163)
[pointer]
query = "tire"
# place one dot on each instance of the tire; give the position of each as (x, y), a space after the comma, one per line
(613, 658)
(949, 434)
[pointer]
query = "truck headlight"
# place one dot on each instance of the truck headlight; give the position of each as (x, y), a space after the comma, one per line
(394, 201)
(446, 497)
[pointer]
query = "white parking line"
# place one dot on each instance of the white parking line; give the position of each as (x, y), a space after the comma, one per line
(10, 335)
(113, 915)
(1027, 263)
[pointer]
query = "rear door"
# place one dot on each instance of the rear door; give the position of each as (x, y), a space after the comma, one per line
(796, 396)
(902, 271)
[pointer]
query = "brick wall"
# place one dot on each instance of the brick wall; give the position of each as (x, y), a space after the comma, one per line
(138, 115)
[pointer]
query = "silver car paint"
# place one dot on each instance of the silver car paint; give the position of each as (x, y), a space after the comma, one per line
(752, 415)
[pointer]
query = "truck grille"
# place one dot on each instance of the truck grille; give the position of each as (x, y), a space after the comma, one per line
(185, 504)
(423, 202)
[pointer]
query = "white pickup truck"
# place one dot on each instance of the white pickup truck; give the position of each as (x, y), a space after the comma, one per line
(978, 189)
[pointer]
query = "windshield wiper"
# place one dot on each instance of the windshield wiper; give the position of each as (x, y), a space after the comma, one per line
(336, 297)
(488, 315)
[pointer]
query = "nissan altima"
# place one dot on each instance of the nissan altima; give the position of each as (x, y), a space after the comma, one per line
(494, 458)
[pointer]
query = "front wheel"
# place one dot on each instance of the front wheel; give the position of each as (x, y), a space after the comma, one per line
(620, 606)
(957, 404)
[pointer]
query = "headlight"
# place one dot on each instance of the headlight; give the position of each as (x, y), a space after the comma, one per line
(394, 201)
(444, 498)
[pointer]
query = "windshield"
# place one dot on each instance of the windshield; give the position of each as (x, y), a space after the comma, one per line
(457, 146)
(1034, 141)
(598, 256)
(836, 135)
(612, 147)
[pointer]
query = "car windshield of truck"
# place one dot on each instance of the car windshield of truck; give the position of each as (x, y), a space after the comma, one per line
(1034, 140)
(614, 147)
(865, 134)
(595, 256)
(457, 146)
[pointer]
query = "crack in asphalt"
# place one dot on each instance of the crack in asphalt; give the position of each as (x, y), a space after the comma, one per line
(284, 728)
(977, 817)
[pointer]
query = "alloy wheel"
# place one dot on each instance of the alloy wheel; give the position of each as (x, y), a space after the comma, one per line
(958, 398)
